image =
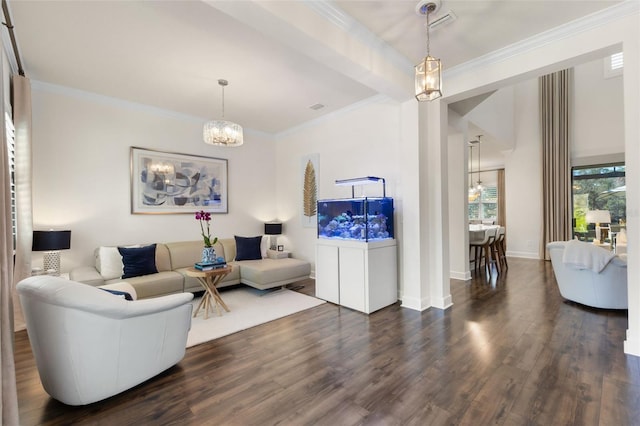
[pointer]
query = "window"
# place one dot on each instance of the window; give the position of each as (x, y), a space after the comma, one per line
(613, 65)
(599, 187)
(484, 205)
(10, 131)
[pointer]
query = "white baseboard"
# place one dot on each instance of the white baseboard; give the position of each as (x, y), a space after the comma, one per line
(462, 276)
(443, 303)
(523, 255)
(415, 304)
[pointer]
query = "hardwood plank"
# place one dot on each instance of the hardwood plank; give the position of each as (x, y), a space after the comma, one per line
(494, 401)
(620, 403)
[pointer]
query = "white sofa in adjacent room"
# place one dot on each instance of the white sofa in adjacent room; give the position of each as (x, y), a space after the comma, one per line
(582, 284)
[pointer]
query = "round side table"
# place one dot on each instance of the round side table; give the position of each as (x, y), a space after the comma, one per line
(209, 280)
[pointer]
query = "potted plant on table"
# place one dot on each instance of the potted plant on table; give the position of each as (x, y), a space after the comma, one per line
(208, 252)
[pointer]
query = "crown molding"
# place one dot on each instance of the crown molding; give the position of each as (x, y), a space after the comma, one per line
(125, 104)
(354, 28)
(589, 22)
(109, 100)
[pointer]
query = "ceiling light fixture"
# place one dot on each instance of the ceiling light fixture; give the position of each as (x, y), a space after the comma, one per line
(429, 71)
(479, 186)
(472, 188)
(222, 132)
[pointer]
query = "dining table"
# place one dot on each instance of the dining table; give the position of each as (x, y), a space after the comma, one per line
(477, 231)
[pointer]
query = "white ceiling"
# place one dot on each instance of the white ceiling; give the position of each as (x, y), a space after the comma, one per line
(280, 57)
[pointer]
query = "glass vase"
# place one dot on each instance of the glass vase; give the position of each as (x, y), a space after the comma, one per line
(208, 255)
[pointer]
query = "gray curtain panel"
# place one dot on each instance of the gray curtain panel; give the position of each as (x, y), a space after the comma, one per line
(502, 203)
(555, 120)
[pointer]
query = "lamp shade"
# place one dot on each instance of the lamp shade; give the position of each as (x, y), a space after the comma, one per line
(51, 240)
(598, 216)
(273, 228)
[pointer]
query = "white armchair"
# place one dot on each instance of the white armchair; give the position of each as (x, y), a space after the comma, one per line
(607, 289)
(89, 344)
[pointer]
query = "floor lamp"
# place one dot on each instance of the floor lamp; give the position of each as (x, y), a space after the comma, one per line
(51, 242)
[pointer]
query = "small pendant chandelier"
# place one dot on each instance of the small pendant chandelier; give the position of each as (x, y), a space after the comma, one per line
(479, 187)
(472, 188)
(428, 79)
(222, 132)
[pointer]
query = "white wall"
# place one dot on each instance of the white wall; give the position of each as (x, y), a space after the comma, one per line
(598, 126)
(523, 176)
(360, 142)
(81, 178)
(495, 116)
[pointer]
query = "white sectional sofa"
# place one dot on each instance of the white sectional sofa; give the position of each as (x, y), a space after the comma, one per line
(173, 258)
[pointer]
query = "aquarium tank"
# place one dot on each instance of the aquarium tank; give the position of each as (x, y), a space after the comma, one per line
(359, 219)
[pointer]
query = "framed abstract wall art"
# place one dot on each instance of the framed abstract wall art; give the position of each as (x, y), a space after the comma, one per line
(168, 182)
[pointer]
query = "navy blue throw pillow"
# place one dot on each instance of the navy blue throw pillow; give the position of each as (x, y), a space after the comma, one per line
(138, 261)
(126, 295)
(248, 248)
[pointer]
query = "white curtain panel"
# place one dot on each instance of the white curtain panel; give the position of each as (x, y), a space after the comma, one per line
(7, 362)
(23, 172)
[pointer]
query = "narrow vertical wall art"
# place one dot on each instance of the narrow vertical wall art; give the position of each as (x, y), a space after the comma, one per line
(309, 177)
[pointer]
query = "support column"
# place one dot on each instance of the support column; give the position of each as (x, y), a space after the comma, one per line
(425, 227)
(631, 50)
(458, 154)
(435, 195)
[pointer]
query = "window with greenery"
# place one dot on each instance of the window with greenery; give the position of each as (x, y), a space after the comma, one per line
(483, 205)
(598, 188)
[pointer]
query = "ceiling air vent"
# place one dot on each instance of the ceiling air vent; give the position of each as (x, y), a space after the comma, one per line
(447, 18)
(316, 107)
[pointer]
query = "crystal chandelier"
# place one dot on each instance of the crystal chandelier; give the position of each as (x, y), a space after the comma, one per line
(428, 79)
(222, 132)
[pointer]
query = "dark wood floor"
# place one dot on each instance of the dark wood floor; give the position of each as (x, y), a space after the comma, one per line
(509, 351)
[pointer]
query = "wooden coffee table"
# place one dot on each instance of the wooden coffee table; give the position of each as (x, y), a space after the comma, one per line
(209, 280)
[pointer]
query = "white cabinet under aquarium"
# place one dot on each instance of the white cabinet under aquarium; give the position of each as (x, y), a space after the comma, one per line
(358, 275)
(356, 259)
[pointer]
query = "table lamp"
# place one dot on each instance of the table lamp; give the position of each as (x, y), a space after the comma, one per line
(598, 217)
(272, 228)
(51, 242)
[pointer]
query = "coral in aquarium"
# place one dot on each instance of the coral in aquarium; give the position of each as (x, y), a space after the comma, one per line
(354, 227)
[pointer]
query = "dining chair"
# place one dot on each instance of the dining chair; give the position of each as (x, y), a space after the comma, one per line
(482, 249)
(497, 249)
(502, 249)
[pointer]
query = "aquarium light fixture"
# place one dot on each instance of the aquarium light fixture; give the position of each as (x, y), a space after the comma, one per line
(362, 181)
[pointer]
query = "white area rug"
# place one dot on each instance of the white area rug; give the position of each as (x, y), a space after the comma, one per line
(249, 307)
